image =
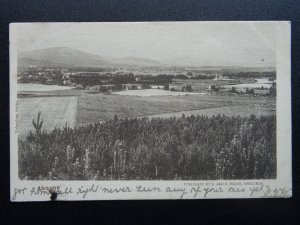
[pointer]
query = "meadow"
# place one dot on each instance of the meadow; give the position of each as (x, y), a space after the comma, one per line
(41, 87)
(155, 92)
(94, 108)
(241, 111)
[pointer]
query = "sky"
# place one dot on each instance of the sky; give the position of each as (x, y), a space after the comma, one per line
(181, 43)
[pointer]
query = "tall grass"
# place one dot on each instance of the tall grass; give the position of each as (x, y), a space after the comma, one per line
(188, 148)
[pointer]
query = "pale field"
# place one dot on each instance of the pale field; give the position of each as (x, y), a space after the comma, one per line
(41, 87)
(264, 82)
(56, 111)
(244, 86)
(154, 92)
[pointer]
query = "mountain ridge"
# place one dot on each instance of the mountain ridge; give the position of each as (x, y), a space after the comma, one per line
(136, 61)
(61, 56)
(64, 56)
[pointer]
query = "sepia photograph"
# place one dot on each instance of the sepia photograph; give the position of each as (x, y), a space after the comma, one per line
(150, 101)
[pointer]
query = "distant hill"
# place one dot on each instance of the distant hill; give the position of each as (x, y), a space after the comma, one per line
(60, 56)
(235, 69)
(63, 56)
(136, 61)
(247, 69)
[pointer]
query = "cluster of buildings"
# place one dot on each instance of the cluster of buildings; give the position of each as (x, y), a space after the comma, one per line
(219, 76)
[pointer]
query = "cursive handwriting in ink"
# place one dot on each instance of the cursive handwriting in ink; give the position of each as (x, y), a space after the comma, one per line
(181, 190)
(212, 190)
(141, 188)
(116, 190)
(85, 191)
(236, 190)
(18, 191)
(65, 191)
(255, 189)
(276, 192)
(195, 190)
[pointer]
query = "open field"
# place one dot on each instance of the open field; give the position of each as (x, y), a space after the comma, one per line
(242, 111)
(102, 107)
(41, 87)
(244, 86)
(155, 92)
(56, 111)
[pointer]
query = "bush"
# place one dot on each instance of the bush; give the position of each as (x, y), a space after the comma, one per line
(145, 86)
(188, 88)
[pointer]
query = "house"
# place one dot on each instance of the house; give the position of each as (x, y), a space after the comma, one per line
(212, 87)
(67, 82)
(79, 87)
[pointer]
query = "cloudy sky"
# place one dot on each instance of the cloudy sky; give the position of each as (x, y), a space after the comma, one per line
(185, 43)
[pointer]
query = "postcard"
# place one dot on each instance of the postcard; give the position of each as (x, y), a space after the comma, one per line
(150, 110)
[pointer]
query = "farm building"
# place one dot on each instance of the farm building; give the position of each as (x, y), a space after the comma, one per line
(213, 87)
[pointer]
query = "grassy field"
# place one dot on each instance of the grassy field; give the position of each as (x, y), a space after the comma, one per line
(40, 87)
(226, 110)
(56, 111)
(155, 92)
(93, 108)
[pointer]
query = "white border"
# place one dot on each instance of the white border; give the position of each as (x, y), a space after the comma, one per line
(280, 187)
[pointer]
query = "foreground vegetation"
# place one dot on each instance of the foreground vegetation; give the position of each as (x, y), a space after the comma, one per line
(194, 147)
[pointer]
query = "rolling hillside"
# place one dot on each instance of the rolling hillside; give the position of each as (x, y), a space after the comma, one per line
(63, 56)
(60, 56)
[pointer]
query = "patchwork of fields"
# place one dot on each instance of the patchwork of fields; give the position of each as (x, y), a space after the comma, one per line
(87, 108)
